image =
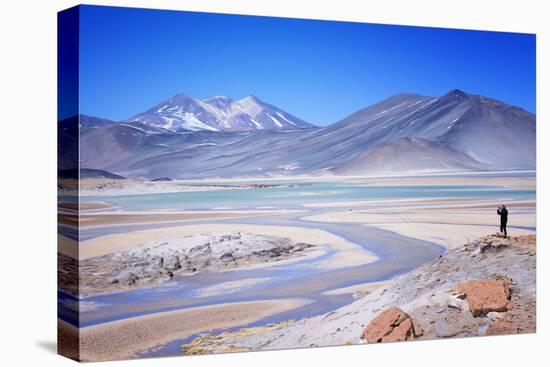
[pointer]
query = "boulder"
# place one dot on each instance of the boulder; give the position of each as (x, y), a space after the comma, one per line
(391, 325)
(486, 295)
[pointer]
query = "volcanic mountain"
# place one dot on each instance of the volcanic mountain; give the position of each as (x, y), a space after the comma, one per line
(183, 112)
(488, 131)
(405, 133)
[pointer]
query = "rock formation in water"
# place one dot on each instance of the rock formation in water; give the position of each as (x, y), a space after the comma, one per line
(162, 260)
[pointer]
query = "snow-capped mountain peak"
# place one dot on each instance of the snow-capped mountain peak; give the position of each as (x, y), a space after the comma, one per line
(218, 113)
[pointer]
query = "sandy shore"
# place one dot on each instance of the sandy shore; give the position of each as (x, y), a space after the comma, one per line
(347, 253)
(502, 180)
(413, 202)
(100, 205)
(67, 340)
(101, 187)
(122, 339)
(110, 218)
(447, 222)
(377, 202)
(67, 246)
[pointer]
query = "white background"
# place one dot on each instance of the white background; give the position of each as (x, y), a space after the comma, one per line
(28, 176)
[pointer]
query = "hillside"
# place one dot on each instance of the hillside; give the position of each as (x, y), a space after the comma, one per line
(486, 287)
(407, 156)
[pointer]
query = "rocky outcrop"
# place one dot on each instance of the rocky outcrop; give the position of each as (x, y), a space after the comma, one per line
(488, 244)
(161, 260)
(465, 292)
(391, 325)
(486, 295)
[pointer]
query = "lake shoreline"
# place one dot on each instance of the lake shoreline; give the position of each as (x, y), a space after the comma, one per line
(357, 244)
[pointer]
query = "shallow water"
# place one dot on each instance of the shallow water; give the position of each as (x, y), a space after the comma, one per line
(295, 196)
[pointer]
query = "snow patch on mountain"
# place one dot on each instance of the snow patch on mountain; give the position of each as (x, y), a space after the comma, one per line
(218, 113)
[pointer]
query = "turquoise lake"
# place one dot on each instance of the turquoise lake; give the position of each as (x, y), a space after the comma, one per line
(298, 193)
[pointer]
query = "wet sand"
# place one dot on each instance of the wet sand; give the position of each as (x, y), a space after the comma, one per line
(386, 202)
(67, 246)
(86, 206)
(109, 218)
(424, 203)
(449, 223)
(122, 339)
(508, 179)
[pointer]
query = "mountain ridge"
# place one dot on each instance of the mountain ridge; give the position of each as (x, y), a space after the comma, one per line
(470, 132)
(218, 113)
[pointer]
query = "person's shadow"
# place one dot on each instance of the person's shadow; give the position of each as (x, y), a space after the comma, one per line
(48, 345)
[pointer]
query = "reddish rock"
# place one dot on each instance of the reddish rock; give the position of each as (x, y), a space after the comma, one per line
(391, 325)
(486, 295)
(502, 328)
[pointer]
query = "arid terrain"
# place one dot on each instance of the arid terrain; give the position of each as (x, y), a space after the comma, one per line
(290, 183)
(485, 287)
(260, 265)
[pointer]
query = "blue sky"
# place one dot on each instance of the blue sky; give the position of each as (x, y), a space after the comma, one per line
(320, 71)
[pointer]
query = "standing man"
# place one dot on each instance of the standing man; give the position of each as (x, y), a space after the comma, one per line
(503, 212)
